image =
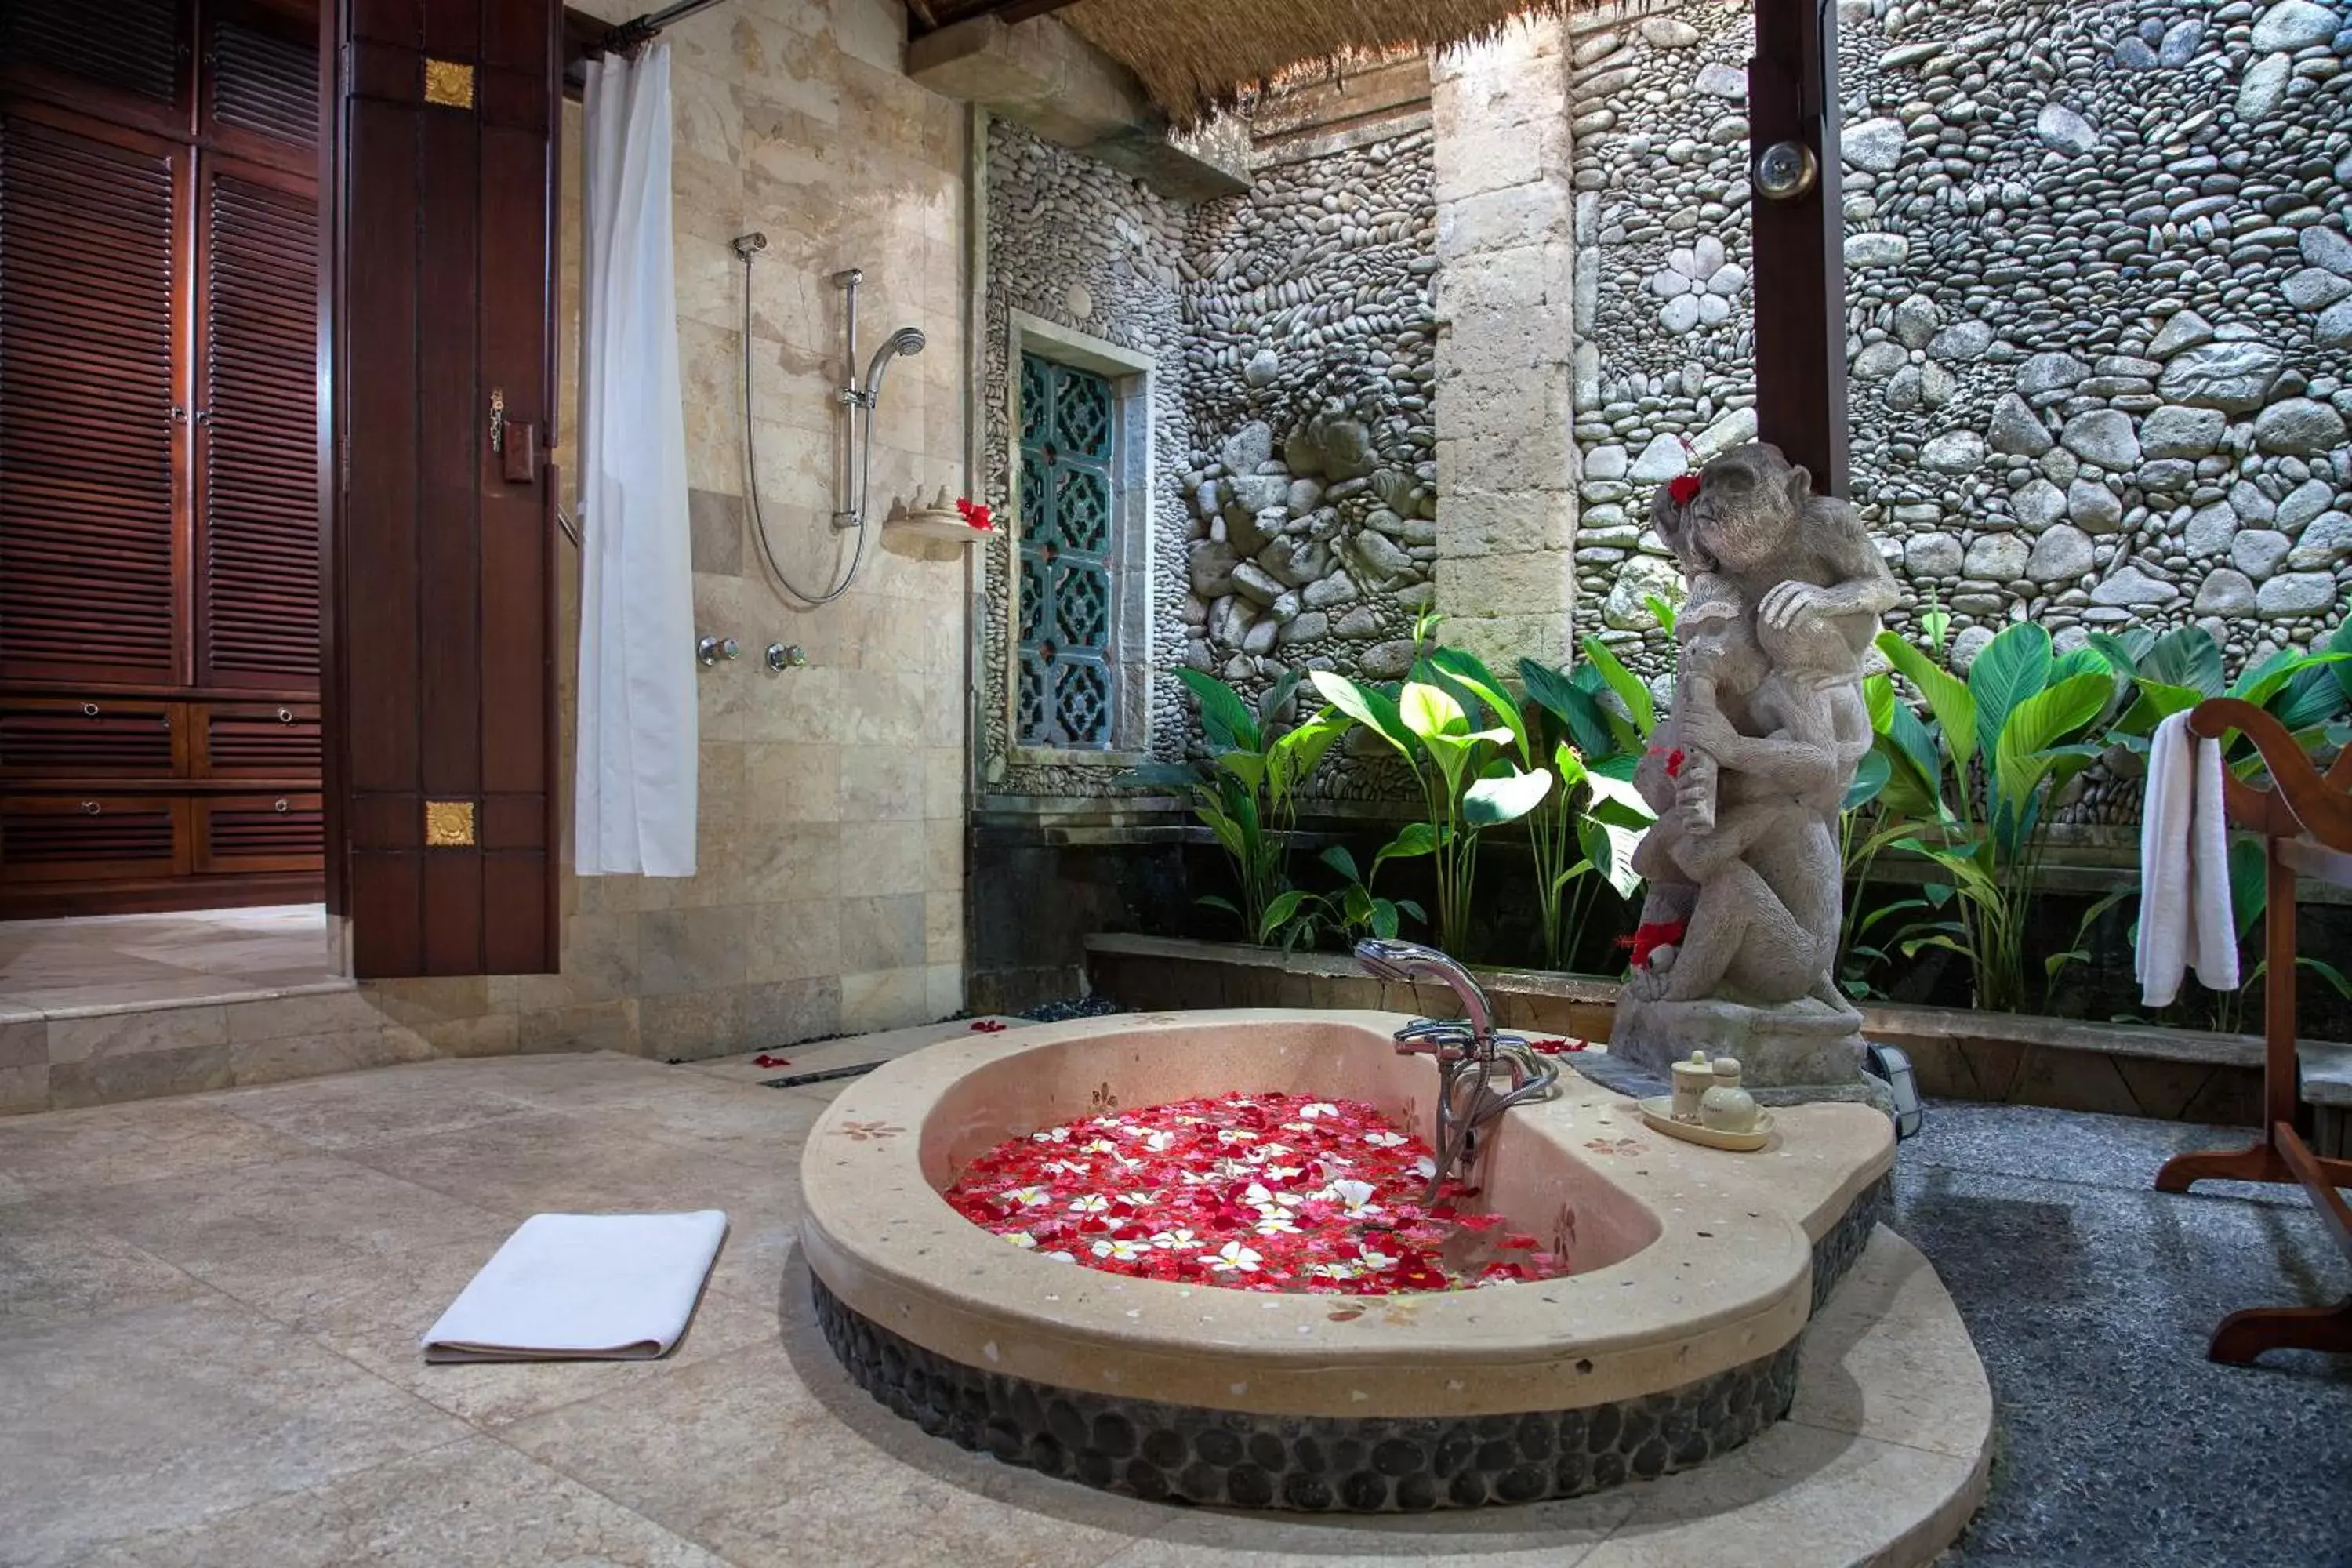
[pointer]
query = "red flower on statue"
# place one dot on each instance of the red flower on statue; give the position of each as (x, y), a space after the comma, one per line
(1674, 764)
(1684, 487)
(974, 513)
(1654, 934)
(986, 1027)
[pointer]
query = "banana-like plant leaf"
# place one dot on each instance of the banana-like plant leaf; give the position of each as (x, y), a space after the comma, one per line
(2119, 652)
(1413, 838)
(1278, 914)
(1338, 858)
(2022, 756)
(1870, 776)
(1560, 696)
(1493, 801)
(1270, 702)
(1225, 719)
(2012, 667)
(1630, 687)
(1368, 706)
(1917, 747)
(1948, 696)
(1469, 671)
(1878, 696)
(1247, 766)
(1430, 712)
(2185, 655)
(2250, 884)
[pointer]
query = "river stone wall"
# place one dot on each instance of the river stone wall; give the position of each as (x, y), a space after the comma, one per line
(1311, 492)
(1089, 249)
(2099, 303)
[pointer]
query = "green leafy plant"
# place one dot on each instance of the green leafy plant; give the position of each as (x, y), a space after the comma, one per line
(1355, 910)
(2309, 692)
(1247, 795)
(1972, 787)
(1583, 834)
(1467, 775)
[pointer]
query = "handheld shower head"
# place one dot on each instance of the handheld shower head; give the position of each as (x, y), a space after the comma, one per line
(905, 341)
(745, 243)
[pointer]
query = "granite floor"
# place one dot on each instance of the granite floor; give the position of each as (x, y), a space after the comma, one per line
(209, 1309)
(68, 966)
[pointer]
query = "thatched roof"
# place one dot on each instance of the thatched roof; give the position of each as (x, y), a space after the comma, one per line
(1196, 56)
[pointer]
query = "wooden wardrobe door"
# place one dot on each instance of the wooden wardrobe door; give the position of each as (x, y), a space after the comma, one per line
(257, 540)
(442, 644)
(91, 405)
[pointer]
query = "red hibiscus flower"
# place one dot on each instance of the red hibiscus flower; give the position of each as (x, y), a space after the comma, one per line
(986, 1027)
(974, 513)
(1684, 488)
(1654, 934)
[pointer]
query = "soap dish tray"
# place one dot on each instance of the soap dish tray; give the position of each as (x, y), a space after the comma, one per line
(1658, 1111)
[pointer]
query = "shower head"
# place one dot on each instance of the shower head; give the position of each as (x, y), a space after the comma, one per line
(745, 243)
(905, 341)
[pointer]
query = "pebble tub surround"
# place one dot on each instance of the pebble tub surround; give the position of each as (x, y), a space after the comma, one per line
(2099, 296)
(1675, 1342)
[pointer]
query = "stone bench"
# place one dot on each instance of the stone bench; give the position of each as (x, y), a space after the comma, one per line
(2326, 1075)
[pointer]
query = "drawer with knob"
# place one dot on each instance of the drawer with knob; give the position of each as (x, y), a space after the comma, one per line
(91, 738)
(257, 740)
(89, 838)
(237, 833)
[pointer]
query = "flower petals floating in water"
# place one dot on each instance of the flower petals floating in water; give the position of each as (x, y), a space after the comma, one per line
(1203, 1192)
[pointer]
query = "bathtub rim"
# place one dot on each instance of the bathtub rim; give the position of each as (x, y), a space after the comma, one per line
(1727, 1280)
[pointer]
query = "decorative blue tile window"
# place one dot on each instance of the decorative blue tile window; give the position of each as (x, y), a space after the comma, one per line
(1068, 431)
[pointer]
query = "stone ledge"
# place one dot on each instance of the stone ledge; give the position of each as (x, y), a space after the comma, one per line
(1957, 1054)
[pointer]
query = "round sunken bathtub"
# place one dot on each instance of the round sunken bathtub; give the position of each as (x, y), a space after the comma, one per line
(1672, 1339)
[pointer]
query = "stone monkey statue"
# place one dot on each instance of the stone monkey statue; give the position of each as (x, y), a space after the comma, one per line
(1749, 769)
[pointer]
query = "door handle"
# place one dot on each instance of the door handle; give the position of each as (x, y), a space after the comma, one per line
(515, 442)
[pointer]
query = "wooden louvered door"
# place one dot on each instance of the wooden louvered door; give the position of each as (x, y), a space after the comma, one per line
(257, 440)
(158, 474)
(92, 401)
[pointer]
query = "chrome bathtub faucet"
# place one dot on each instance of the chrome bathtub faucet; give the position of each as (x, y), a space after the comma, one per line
(1466, 1051)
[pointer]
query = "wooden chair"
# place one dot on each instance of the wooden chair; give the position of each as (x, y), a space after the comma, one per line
(2306, 820)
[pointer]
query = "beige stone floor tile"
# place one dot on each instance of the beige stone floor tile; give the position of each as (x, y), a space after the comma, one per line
(1795, 1496)
(242, 1227)
(119, 1426)
(1889, 1358)
(76, 1150)
(763, 1128)
(555, 1081)
(354, 1111)
(564, 1162)
(738, 1453)
(471, 1504)
(375, 1311)
(54, 1268)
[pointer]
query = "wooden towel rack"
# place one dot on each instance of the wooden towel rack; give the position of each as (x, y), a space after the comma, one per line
(2305, 820)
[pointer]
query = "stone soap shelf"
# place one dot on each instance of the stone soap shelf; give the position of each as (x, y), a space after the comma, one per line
(938, 522)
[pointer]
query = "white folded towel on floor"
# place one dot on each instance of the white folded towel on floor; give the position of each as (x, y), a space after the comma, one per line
(2185, 918)
(583, 1286)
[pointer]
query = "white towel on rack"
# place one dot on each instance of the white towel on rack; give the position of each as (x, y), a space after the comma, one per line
(583, 1286)
(2185, 918)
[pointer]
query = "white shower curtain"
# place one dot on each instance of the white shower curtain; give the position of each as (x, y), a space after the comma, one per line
(636, 777)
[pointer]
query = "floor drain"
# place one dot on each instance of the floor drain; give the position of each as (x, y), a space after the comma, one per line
(820, 1075)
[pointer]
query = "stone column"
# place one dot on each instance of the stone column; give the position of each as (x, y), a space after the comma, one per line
(1506, 458)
